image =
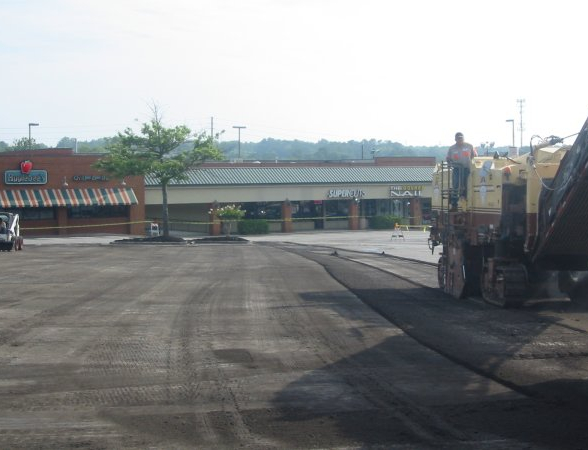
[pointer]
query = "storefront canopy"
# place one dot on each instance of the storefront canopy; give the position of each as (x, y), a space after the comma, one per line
(39, 198)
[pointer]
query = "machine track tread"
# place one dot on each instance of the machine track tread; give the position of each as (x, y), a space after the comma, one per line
(510, 288)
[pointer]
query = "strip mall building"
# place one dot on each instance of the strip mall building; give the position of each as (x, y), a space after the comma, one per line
(299, 196)
(56, 191)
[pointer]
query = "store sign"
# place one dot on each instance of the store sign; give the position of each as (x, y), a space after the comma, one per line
(90, 178)
(406, 190)
(346, 193)
(26, 175)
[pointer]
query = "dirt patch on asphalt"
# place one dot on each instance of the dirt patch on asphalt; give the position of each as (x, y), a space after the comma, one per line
(182, 241)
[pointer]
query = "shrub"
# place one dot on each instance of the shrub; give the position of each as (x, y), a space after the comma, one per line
(253, 226)
(386, 222)
(230, 212)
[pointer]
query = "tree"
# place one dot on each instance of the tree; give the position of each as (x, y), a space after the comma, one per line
(25, 143)
(154, 153)
(96, 145)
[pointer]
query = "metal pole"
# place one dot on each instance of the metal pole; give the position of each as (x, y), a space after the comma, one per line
(239, 127)
(31, 125)
(513, 139)
(513, 131)
(521, 102)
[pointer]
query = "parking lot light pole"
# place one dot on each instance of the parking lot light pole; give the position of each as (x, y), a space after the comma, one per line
(31, 125)
(513, 137)
(239, 127)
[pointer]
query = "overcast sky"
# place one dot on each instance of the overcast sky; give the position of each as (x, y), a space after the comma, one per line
(414, 71)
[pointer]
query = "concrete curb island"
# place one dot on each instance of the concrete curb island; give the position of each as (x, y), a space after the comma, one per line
(411, 245)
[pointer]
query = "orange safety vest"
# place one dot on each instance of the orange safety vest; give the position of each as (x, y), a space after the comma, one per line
(461, 155)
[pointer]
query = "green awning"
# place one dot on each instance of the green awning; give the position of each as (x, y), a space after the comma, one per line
(40, 198)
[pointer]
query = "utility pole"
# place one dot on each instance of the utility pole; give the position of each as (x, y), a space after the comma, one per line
(239, 127)
(521, 102)
(211, 128)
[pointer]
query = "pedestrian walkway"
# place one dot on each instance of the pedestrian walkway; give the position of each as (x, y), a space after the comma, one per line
(412, 245)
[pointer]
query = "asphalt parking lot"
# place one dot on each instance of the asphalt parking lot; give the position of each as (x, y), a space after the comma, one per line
(408, 244)
(274, 346)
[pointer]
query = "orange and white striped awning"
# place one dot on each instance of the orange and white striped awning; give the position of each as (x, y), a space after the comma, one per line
(40, 198)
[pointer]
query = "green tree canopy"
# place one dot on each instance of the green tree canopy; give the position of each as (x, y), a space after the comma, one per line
(67, 142)
(155, 152)
(25, 143)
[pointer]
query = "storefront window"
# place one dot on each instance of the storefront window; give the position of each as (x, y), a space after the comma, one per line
(398, 208)
(426, 205)
(262, 210)
(306, 209)
(337, 208)
(368, 208)
(34, 213)
(94, 211)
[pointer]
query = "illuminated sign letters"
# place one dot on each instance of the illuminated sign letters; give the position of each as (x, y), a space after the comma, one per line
(345, 193)
(406, 190)
(32, 177)
(90, 178)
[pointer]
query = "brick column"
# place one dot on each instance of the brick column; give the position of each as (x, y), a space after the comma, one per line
(287, 217)
(62, 220)
(214, 228)
(137, 219)
(353, 215)
(416, 211)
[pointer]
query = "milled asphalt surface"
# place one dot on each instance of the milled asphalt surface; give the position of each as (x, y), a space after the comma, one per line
(267, 350)
(410, 244)
(360, 246)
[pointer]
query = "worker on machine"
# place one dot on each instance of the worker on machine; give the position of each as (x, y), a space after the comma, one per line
(459, 157)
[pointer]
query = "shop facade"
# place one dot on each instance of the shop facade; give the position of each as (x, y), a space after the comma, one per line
(299, 196)
(58, 192)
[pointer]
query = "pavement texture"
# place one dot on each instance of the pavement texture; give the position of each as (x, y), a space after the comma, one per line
(284, 344)
(407, 244)
(275, 345)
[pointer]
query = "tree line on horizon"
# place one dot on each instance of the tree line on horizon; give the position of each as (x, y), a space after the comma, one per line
(269, 149)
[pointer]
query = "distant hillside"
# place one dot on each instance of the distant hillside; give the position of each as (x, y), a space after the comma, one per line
(271, 149)
(276, 149)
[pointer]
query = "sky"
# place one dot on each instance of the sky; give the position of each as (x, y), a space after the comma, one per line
(413, 72)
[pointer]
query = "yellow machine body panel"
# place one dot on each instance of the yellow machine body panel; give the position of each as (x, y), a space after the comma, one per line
(519, 220)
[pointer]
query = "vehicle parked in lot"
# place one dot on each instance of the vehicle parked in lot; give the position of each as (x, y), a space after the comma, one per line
(10, 238)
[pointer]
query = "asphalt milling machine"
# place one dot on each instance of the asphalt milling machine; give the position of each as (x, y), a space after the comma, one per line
(10, 238)
(520, 228)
